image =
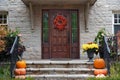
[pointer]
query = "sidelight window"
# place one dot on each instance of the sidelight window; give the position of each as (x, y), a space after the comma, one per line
(45, 27)
(74, 24)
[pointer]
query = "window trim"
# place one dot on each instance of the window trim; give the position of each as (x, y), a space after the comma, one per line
(117, 17)
(113, 23)
(4, 13)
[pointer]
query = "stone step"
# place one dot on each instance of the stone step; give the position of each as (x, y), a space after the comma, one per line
(57, 69)
(61, 76)
(60, 70)
(59, 64)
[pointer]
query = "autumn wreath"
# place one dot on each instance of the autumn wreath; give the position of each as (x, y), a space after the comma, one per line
(60, 22)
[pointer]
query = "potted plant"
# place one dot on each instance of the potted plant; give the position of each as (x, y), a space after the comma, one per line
(7, 37)
(10, 39)
(90, 48)
(99, 40)
(3, 34)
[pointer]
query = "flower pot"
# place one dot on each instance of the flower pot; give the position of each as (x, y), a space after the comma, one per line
(90, 55)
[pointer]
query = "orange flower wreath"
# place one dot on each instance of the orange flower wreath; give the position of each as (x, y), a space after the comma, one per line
(60, 22)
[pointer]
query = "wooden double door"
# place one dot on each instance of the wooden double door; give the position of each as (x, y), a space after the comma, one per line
(60, 34)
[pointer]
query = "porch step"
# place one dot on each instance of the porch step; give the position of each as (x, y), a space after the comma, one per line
(57, 69)
(60, 64)
(61, 76)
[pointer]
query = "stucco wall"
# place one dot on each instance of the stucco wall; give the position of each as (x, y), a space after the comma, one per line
(100, 15)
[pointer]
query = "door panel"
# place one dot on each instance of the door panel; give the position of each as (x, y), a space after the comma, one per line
(60, 43)
(59, 38)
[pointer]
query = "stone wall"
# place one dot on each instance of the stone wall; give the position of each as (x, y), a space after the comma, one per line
(100, 16)
(18, 16)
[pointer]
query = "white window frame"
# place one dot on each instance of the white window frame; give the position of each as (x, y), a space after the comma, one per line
(118, 19)
(113, 23)
(6, 14)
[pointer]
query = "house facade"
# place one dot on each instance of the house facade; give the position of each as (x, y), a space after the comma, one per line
(56, 29)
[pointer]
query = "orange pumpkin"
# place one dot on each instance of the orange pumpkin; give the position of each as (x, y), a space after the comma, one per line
(99, 63)
(100, 71)
(20, 77)
(21, 64)
(20, 71)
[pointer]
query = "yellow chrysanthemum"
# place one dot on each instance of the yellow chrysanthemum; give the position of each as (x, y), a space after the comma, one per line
(91, 46)
(84, 46)
(94, 45)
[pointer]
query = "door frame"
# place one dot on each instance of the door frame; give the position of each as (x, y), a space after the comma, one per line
(70, 53)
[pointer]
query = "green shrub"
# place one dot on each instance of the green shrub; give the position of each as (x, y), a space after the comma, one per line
(107, 78)
(115, 73)
(5, 73)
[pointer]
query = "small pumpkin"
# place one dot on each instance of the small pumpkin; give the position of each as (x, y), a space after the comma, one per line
(21, 63)
(100, 71)
(100, 76)
(99, 63)
(20, 77)
(20, 71)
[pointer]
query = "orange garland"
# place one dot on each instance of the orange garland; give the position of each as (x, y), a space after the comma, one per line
(60, 22)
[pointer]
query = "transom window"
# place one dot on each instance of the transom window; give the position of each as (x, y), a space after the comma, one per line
(3, 18)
